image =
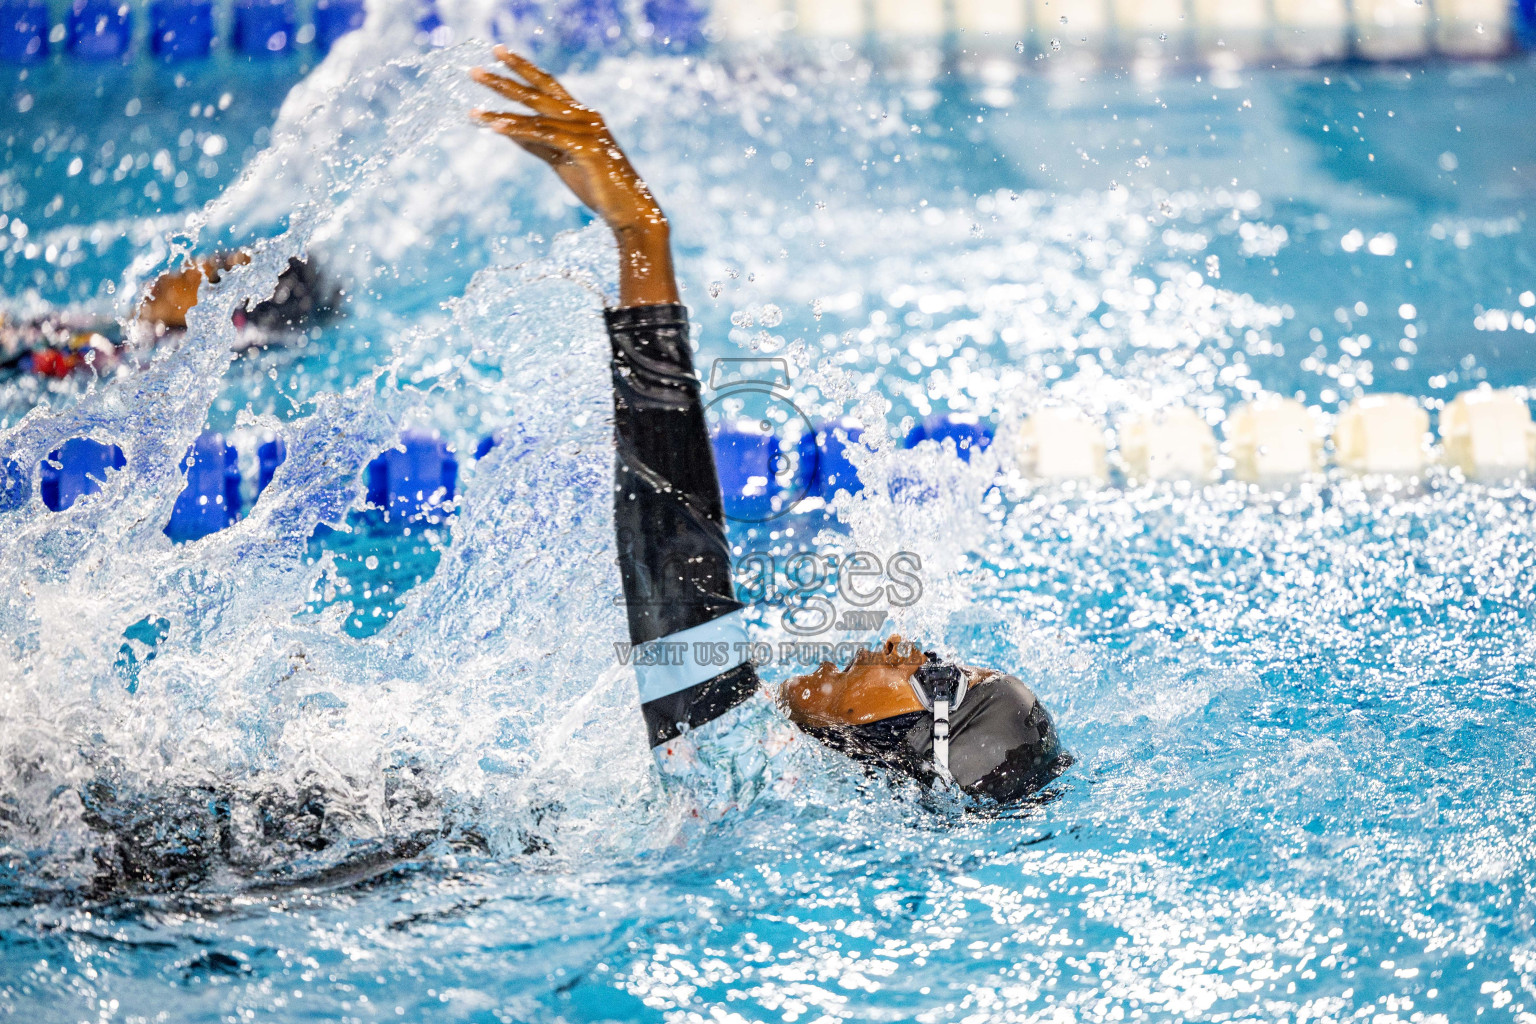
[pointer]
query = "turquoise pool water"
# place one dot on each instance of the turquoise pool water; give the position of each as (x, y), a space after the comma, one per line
(1302, 717)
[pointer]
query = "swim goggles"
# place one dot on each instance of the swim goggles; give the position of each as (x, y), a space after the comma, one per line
(940, 687)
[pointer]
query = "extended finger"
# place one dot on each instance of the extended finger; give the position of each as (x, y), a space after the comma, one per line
(509, 123)
(519, 128)
(519, 93)
(581, 131)
(527, 69)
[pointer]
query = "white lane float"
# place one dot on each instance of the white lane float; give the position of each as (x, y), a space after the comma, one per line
(830, 19)
(748, 20)
(1473, 28)
(992, 17)
(1232, 24)
(1488, 433)
(909, 18)
(1391, 29)
(1171, 444)
(1312, 30)
(1272, 438)
(1083, 17)
(1150, 18)
(1383, 434)
(1060, 443)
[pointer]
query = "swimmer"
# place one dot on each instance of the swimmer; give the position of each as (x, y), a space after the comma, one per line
(59, 345)
(914, 712)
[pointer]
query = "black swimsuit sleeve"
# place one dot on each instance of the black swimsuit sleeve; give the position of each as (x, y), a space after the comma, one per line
(685, 624)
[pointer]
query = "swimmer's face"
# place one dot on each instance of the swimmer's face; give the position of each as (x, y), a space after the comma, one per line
(874, 686)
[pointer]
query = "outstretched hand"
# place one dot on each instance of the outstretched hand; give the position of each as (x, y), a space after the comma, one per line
(575, 141)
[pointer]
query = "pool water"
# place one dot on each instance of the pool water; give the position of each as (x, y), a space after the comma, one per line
(1302, 716)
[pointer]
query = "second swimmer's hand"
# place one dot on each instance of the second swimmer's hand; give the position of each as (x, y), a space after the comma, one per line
(572, 139)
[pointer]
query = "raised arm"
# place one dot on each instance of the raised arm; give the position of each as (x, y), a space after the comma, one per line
(575, 141)
(684, 619)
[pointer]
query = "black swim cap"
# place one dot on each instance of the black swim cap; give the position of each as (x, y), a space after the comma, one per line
(302, 298)
(1002, 742)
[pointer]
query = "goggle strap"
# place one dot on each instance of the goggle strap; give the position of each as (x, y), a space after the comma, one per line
(941, 738)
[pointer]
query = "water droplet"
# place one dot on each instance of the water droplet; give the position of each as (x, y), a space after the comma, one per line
(741, 318)
(715, 287)
(1055, 44)
(1163, 36)
(1063, 19)
(771, 316)
(372, 561)
(1143, 161)
(1018, 47)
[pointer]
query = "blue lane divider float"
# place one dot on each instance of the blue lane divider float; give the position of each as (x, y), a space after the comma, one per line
(1525, 28)
(334, 19)
(14, 485)
(430, 30)
(99, 29)
(189, 29)
(826, 452)
(967, 432)
(747, 461)
(76, 468)
(263, 27)
(211, 499)
(759, 477)
(23, 30)
(181, 29)
(414, 479)
(589, 24)
(270, 454)
(750, 464)
(519, 23)
(676, 25)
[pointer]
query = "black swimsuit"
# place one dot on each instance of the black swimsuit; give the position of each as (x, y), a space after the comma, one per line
(673, 553)
(684, 618)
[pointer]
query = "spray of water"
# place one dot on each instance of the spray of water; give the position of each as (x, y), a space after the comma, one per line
(258, 738)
